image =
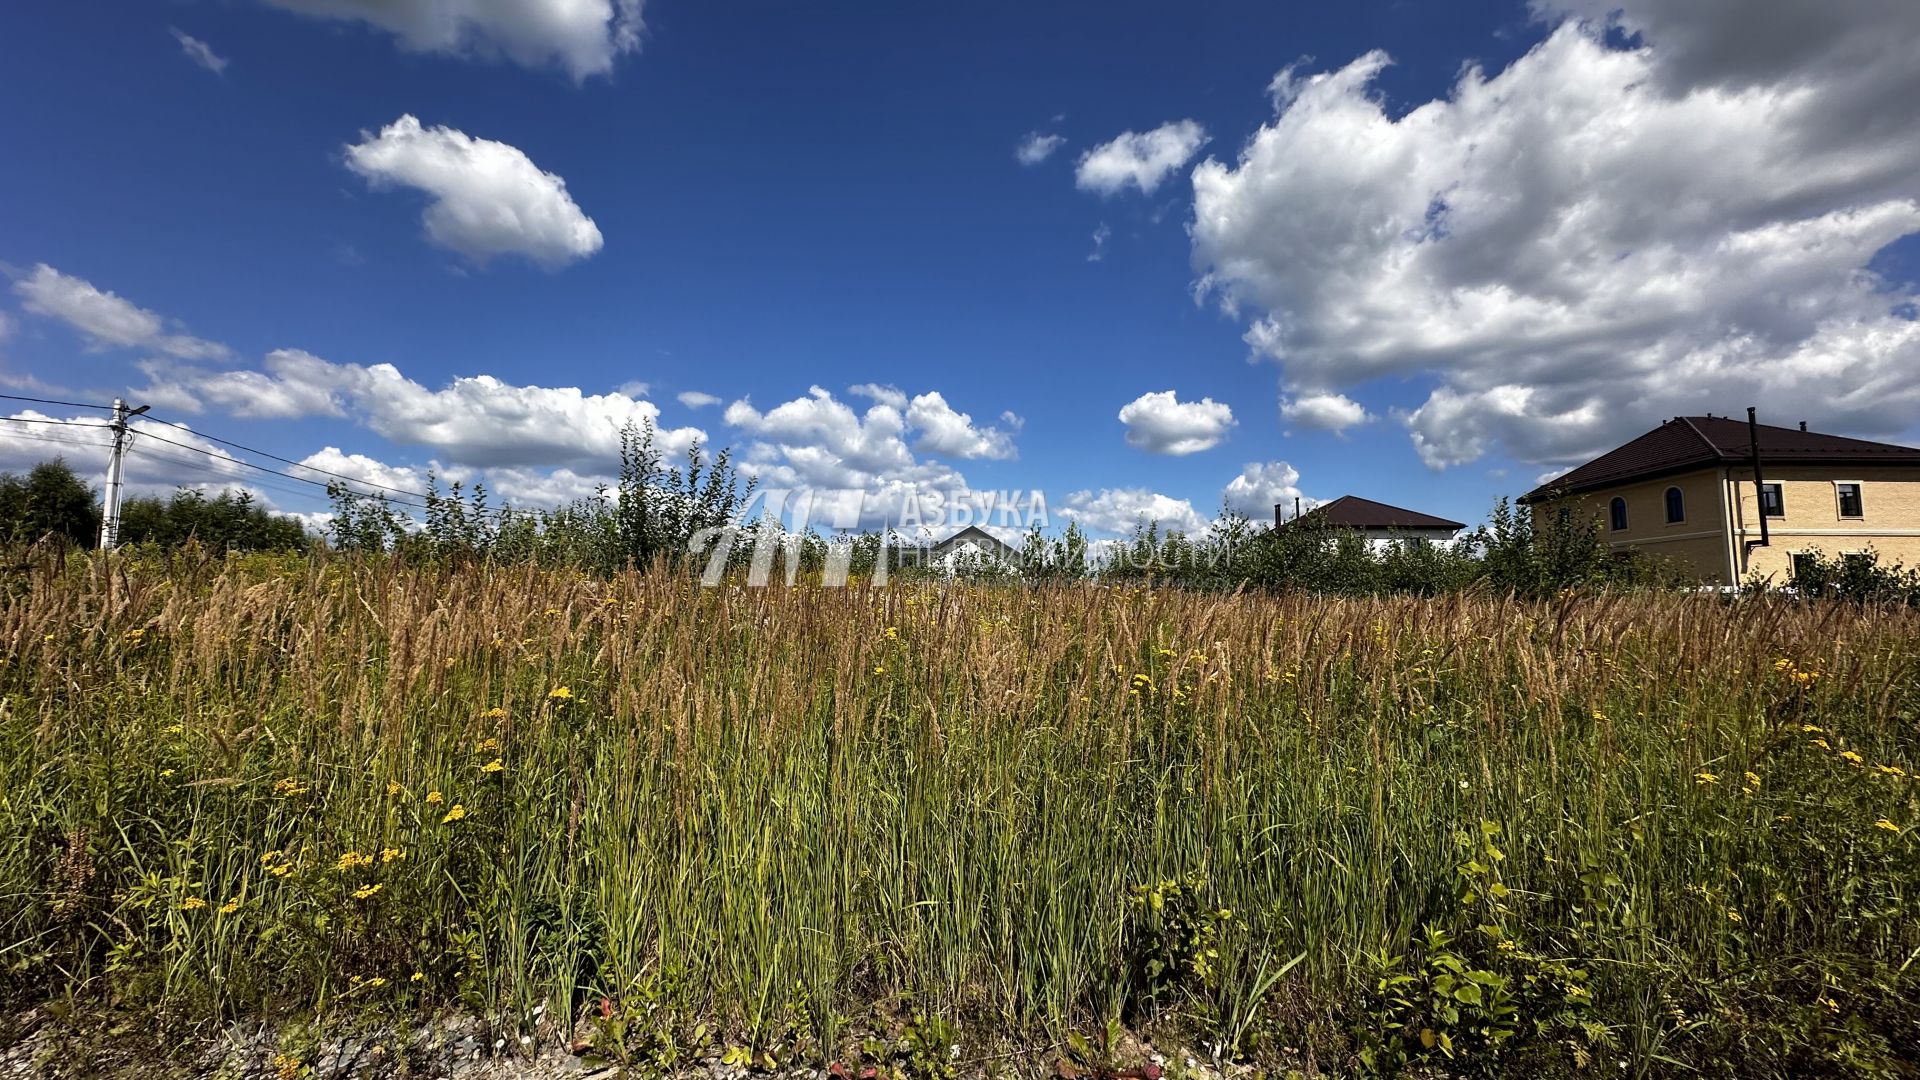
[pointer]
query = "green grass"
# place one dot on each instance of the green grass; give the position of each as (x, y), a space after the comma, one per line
(1026, 811)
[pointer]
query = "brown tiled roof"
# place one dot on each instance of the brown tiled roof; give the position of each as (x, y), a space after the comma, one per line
(1354, 512)
(1686, 443)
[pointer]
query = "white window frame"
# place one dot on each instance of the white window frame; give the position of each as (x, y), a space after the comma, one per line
(1839, 512)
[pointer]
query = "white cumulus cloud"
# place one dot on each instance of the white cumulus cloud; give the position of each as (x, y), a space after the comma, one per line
(106, 319)
(582, 36)
(487, 198)
(1596, 237)
(1120, 510)
(1323, 412)
(367, 470)
(884, 395)
(946, 431)
(1262, 485)
(476, 420)
(1142, 159)
(1160, 423)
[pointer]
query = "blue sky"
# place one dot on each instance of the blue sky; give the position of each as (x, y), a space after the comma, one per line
(789, 196)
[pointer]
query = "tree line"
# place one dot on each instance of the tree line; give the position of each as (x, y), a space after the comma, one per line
(662, 511)
(51, 504)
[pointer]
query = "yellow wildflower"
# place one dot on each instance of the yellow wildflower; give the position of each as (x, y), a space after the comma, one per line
(287, 787)
(486, 745)
(560, 693)
(494, 766)
(1821, 743)
(365, 892)
(1733, 916)
(893, 633)
(230, 907)
(1703, 777)
(352, 860)
(164, 773)
(391, 854)
(1810, 728)
(192, 903)
(1853, 757)
(455, 813)
(285, 1068)
(1883, 823)
(1753, 780)
(495, 713)
(1891, 770)
(879, 671)
(418, 976)
(434, 798)
(280, 869)
(395, 787)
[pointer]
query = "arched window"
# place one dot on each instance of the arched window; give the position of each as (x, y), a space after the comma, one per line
(1617, 514)
(1676, 506)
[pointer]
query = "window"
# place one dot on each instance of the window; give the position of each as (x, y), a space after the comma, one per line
(1617, 514)
(1850, 504)
(1772, 502)
(1676, 506)
(1804, 563)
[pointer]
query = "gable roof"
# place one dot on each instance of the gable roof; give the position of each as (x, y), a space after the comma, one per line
(1686, 443)
(1354, 512)
(979, 536)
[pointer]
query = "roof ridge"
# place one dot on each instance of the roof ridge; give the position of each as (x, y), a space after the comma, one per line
(1712, 447)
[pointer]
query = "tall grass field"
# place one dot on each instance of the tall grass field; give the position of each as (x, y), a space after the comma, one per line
(918, 828)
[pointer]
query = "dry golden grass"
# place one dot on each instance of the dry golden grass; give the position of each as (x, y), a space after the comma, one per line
(766, 810)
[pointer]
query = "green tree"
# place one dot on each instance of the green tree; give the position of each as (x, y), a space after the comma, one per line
(230, 521)
(50, 501)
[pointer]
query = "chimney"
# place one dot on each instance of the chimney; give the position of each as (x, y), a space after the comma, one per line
(1803, 425)
(1279, 519)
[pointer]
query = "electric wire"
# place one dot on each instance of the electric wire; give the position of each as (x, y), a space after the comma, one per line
(290, 461)
(51, 401)
(260, 468)
(415, 501)
(137, 451)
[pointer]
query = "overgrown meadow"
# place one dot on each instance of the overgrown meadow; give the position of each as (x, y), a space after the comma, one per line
(1641, 833)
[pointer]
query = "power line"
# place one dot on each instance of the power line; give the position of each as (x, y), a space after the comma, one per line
(250, 465)
(290, 461)
(29, 436)
(61, 423)
(422, 503)
(51, 401)
(211, 470)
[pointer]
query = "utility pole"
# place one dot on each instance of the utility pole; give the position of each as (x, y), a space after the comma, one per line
(110, 518)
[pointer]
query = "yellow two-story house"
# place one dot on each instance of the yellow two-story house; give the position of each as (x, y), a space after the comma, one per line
(1687, 492)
